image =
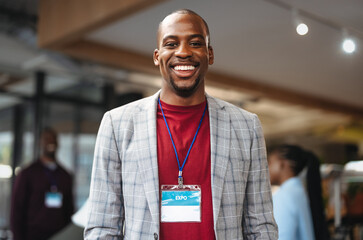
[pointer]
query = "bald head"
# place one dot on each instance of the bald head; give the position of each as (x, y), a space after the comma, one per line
(188, 12)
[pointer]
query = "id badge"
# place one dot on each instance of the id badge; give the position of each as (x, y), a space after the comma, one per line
(53, 200)
(181, 204)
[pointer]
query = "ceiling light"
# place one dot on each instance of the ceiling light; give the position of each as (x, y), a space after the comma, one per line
(348, 45)
(302, 29)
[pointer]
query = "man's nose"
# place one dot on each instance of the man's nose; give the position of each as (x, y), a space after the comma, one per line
(183, 51)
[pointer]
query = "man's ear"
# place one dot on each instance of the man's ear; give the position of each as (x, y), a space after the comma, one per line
(156, 57)
(211, 55)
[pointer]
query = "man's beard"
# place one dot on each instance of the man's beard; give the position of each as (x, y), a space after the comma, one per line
(185, 91)
(49, 154)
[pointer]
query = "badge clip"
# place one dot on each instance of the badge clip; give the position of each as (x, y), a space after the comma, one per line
(180, 182)
(180, 179)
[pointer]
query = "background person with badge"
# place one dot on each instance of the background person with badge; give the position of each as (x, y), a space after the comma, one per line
(180, 164)
(42, 199)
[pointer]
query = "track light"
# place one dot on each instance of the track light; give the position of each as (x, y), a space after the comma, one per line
(301, 27)
(348, 44)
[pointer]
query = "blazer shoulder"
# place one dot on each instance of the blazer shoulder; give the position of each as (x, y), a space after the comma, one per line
(129, 109)
(234, 111)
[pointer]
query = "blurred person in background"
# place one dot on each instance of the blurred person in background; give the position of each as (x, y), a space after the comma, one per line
(299, 213)
(42, 199)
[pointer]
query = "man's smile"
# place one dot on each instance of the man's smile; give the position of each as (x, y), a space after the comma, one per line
(184, 67)
(184, 70)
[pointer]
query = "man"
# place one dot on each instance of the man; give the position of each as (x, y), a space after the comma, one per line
(180, 164)
(42, 200)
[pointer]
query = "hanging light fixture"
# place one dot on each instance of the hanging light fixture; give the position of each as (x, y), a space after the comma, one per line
(301, 28)
(348, 44)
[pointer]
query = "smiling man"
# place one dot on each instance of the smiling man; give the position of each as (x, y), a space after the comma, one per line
(183, 56)
(180, 164)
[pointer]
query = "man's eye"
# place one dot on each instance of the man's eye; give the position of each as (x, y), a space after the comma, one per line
(170, 44)
(195, 44)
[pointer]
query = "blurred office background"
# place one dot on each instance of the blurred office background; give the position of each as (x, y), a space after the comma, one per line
(63, 63)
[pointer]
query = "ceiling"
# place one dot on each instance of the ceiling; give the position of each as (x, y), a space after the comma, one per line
(253, 40)
(257, 40)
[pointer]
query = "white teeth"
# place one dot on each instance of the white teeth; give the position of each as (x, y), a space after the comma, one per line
(184, 67)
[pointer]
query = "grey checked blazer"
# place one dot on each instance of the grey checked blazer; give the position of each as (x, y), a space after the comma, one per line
(124, 195)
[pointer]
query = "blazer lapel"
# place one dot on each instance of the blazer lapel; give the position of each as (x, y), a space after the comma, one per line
(145, 127)
(220, 140)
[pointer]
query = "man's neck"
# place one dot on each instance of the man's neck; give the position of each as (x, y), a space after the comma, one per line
(174, 99)
(46, 159)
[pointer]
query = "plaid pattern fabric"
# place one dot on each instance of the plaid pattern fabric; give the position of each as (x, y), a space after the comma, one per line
(124, 195)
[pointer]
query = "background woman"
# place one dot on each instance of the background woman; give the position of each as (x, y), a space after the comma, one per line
(299, 213)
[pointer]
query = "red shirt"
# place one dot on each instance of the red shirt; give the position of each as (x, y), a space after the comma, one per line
(183, 122)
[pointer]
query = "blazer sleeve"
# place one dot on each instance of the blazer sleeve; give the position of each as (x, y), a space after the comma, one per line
(258, 221)
(106, 210)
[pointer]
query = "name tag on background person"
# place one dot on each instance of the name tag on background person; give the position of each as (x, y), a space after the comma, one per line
(181, 205)
(53, 200)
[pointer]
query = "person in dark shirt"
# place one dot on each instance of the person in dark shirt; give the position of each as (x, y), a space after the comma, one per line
(42, 199)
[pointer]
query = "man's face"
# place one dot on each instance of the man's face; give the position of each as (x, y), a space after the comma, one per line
(183, 55)
(49, 145)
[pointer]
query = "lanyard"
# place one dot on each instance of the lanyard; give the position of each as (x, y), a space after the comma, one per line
(180, 177)
(52, 179)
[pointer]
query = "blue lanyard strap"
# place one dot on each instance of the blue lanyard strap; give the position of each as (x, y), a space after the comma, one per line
(171, 138)
(52, 179)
